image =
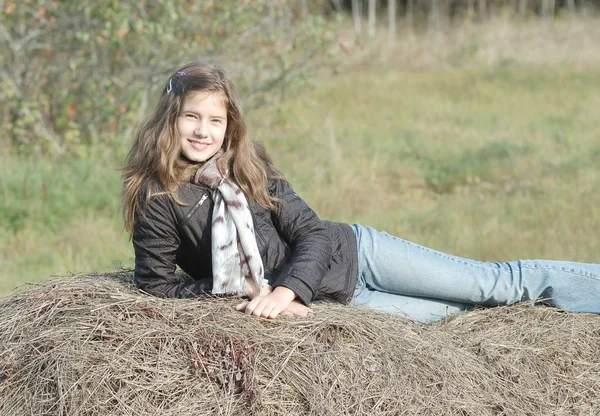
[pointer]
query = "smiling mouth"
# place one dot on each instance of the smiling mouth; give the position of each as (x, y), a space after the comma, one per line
(198, 145)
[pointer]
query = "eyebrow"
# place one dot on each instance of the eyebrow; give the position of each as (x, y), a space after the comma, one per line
(184, 110)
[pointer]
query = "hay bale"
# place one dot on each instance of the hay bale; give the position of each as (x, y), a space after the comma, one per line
(88, 345)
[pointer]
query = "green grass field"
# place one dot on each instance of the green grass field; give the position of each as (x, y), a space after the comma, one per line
(493, 162)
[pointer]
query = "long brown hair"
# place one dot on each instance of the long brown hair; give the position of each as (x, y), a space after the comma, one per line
(155, 159)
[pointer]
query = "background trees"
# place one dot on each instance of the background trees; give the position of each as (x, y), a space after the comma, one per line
(74, 74)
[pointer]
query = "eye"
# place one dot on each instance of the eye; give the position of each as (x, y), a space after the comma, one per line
(191, 116)
(218, 121)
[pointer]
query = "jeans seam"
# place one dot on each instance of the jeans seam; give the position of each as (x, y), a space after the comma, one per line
(447, 257)
(522, 265)
(562, 269)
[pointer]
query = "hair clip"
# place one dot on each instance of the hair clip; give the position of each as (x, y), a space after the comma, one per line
(170, 87)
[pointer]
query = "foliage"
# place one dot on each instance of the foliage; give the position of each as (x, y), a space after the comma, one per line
(79, 73)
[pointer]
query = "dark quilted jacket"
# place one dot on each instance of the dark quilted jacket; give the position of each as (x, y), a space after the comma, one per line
(316, 259)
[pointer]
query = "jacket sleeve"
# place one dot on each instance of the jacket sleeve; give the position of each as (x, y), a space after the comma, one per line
(309, 240)
(156, 241)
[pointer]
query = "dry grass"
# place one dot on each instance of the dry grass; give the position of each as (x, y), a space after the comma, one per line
(499, 40)
(94, 345)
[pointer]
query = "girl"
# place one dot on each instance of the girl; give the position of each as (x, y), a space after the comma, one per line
(198, 193)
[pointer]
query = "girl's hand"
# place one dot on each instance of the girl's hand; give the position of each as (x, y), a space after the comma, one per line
(252, 290)
(295, 308)
(298, 309)
(271, 304)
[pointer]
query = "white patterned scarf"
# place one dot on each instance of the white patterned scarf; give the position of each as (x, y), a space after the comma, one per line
(235, 255)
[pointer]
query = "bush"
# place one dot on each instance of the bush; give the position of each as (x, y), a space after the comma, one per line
(80, 73)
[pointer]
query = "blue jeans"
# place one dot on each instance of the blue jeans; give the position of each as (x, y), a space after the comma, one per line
(397, 276)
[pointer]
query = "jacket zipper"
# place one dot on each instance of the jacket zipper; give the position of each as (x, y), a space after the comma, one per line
(195, 207)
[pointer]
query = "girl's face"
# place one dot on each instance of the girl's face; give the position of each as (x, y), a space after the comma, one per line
(201, 125)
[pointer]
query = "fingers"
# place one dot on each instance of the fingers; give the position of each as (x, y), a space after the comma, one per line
(265, 309)
(298, 309)
(260, 307)
(268, 311)
(273, 303)
(252, 305)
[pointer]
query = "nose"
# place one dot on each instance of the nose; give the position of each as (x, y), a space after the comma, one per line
(200, 129)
